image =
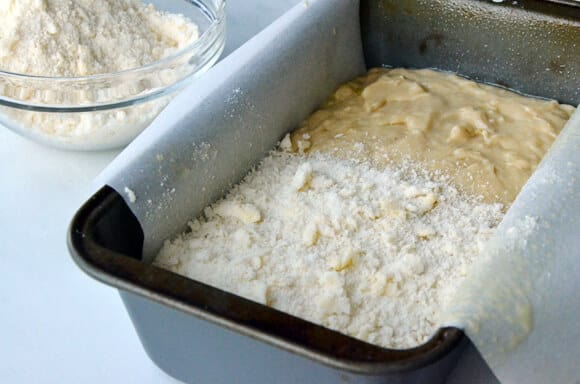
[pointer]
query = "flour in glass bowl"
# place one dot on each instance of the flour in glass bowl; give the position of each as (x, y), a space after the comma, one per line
(63, 38)
(372, 252)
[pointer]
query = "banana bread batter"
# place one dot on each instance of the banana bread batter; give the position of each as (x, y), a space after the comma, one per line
(487, 139)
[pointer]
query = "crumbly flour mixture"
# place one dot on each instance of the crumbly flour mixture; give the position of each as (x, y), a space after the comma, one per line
(64, 38)
(86, 37)
(371, 216)
(373, 253)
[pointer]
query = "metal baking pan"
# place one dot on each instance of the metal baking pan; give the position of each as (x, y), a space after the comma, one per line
(198, 333)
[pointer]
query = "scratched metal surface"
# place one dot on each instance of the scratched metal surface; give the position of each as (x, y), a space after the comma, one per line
(532, 46)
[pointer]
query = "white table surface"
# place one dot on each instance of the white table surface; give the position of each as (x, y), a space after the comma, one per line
(57, 325)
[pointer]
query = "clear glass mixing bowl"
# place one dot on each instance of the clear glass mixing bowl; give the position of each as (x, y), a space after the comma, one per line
(107, 111)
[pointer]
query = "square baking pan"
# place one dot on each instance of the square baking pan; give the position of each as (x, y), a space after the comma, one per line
(200, 334)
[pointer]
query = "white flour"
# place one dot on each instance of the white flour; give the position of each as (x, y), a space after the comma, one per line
(373, 253)
(63, 38)
(86, 37)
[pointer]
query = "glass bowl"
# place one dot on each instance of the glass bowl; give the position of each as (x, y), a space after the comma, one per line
(107, 111)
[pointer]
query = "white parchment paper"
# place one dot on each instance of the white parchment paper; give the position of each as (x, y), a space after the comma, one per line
(216, 130)
(520, 305)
